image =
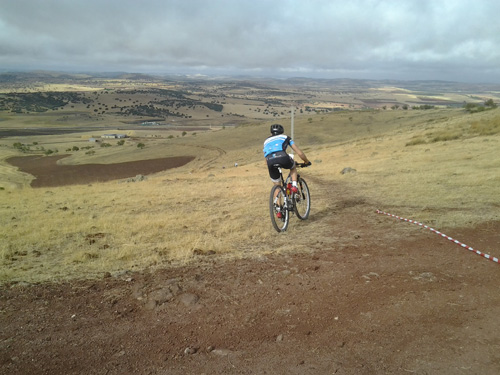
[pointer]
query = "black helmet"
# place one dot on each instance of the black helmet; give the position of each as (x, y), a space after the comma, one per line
(277, 129)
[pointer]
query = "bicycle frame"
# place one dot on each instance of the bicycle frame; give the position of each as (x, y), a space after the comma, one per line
(287, 184)
(282, 201)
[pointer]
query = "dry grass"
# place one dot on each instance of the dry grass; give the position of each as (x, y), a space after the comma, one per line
(210, 206)
(452, 182)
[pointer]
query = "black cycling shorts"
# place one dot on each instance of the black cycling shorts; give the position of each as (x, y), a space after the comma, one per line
(278, 160)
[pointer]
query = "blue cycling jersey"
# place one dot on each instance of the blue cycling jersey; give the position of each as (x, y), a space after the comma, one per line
(277, 143)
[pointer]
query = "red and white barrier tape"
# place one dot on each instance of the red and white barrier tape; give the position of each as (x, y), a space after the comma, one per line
(489, 257)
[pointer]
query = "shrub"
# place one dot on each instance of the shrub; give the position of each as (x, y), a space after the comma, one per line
(474, 108)
(18, 145)
(490, 103)
(446, 136)
(141, 145)
(423, 107)
(416, 141)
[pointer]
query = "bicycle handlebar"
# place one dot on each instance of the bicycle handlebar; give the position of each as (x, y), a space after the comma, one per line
(303, 165)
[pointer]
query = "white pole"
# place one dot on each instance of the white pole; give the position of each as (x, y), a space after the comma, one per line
(291, 132)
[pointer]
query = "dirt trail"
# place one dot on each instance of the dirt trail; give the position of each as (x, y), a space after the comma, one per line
(373, 296)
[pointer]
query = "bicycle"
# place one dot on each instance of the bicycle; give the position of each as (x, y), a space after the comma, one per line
(282, 202)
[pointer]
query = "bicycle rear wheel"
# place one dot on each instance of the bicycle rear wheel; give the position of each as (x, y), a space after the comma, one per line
(302, 206)
(277, 208)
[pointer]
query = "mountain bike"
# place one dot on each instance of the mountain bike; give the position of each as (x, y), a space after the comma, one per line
(283, 203)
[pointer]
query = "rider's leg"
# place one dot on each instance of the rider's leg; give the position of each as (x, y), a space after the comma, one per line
(276, 192)
(293, 174)
(275, 176)
(277, 206)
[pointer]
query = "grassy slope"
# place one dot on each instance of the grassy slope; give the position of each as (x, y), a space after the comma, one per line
(209, 205)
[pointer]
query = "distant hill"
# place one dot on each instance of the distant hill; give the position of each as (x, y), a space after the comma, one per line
(427, 86)
(61, 77)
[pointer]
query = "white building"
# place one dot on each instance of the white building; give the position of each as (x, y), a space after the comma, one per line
(114, 136)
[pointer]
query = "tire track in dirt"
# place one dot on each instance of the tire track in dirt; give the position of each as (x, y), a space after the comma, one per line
(347, 218)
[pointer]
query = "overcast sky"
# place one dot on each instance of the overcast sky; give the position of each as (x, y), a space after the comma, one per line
(455, 40)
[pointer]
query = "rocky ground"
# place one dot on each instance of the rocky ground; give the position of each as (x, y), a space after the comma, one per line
(389, 297)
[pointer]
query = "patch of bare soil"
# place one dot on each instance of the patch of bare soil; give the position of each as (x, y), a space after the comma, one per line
(374, 296)
(48, 173)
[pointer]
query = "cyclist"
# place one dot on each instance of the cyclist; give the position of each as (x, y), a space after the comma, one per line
(275, 153)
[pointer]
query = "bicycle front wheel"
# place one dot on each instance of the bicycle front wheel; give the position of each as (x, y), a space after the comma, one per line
(302, 199)
(277, 208)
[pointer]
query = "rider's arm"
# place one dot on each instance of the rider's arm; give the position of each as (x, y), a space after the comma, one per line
(300, 153)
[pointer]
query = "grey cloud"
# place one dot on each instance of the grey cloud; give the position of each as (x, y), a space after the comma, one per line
(413, 39)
